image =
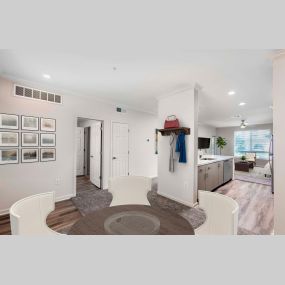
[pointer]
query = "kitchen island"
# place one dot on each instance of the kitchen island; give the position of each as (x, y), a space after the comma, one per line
(214, 171)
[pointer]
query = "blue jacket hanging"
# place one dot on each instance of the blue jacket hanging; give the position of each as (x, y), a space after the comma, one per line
(181, 148)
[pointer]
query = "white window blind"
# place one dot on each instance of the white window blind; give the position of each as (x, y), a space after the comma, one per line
(257, 141)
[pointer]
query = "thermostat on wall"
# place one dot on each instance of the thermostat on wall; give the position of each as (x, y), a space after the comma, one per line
(121, 110)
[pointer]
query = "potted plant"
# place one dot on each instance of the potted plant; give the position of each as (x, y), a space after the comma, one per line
(221, 143)
(243, 158)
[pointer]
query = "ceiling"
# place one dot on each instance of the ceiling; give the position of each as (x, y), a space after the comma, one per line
(137, 80)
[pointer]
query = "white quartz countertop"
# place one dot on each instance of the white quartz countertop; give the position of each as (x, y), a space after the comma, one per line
(216, 158)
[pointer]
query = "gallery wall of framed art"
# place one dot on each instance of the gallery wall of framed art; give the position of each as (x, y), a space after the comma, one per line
(26, 139)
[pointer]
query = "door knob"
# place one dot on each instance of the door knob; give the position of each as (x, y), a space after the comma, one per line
(114, 157)
(91, 156)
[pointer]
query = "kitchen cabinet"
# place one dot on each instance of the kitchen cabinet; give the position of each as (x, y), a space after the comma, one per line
(211, 176)
(202, 177)
(221, 172)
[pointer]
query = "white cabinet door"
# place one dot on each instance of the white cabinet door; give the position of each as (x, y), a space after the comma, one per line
(120, 149)
(79, 151)
(95, 153)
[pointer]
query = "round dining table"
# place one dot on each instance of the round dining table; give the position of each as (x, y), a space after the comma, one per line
(98, 222)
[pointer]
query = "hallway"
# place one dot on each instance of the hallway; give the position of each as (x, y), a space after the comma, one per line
(83, 183)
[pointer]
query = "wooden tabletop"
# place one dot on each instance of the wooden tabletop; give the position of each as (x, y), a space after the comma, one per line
(93, 224)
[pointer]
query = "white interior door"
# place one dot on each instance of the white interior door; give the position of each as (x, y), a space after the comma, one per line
(95, 153)
(120, 149)
(80, 151)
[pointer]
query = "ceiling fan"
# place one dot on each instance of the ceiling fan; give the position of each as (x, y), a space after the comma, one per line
(243, 124)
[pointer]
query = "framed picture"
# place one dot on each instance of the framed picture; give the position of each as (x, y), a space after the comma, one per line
(48, 125)
(9, 139)
(47, 139)
(30, 123)
(30, 139)
(30, 155)
(8, 121)
(9, 156)
(48, 154)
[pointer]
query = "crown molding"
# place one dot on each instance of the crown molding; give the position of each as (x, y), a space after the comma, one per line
(175, 92)
(278, 53)
(65, 92)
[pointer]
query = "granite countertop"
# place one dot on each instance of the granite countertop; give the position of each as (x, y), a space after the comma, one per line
(216, 158)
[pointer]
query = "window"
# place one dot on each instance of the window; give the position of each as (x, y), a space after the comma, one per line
(257, 141)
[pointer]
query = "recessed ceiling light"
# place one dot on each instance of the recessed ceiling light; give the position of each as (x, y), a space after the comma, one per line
(242, 103)
(231, 92)
(271, 107)
(46, 76)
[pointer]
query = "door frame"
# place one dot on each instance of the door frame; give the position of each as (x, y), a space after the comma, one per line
(111, 146)
(83, 155)
(75, 150)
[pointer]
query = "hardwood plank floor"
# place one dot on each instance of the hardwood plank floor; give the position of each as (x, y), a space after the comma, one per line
(64, 215)
(256, 202)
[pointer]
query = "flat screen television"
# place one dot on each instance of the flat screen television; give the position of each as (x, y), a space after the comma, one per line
(203, 143)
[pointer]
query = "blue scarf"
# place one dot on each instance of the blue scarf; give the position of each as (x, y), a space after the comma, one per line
(181, 148)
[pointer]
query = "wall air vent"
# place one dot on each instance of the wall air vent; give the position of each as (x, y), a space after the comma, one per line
(41, 95)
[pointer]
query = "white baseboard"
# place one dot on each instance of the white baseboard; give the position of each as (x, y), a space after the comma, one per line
(176, 200)
(57, 199)
(4, 212)
(65, 197)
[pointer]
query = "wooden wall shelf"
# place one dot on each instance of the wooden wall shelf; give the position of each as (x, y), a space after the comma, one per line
(167, 132)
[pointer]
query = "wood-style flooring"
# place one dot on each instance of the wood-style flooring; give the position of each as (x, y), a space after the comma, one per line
(83, 184)
(255, 201)
(256, 206)
(64, 215)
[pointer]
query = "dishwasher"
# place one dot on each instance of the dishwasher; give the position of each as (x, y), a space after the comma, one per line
(228, 170)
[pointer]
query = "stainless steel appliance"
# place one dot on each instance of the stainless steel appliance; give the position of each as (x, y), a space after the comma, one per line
(228, 170)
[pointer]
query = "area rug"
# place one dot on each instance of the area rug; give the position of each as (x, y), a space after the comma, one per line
(92, 200)
(255, 175)
(264, 181)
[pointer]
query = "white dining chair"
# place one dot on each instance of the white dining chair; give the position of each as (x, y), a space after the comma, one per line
(28, 215)
(221, 214)
(129, 190)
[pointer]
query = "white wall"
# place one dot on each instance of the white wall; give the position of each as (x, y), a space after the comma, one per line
(279, 143)
(182, 184)
(18, 181)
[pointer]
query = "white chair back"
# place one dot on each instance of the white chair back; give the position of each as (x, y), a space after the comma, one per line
(28, 216)
(222, 214)
(129, 190)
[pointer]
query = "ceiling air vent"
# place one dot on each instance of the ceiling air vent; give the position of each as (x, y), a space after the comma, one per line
(31, 93)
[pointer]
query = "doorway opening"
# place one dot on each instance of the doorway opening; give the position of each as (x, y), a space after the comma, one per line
(88, 154)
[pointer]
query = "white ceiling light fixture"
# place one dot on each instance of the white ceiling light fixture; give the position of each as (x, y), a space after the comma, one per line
(241, 103)
(46, 76)
(243, 124)
(231, 92)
